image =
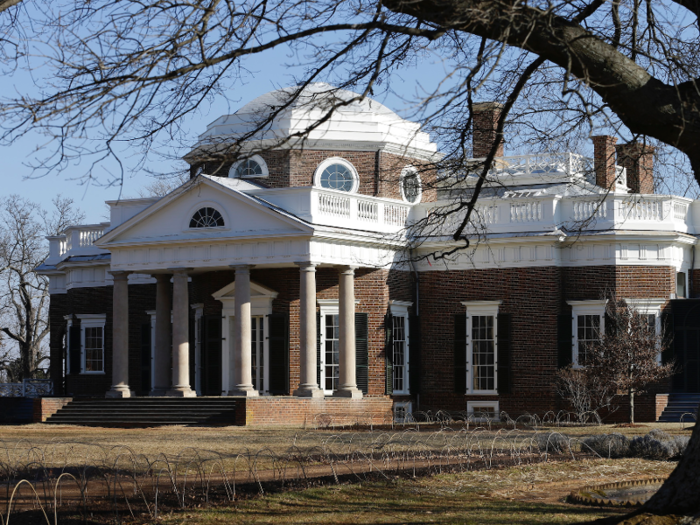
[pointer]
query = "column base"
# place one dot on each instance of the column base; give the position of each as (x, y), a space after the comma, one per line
(181, 392)
(309, 391)
(119, 393)
(243, 393)
(158, 392)
(350, 393)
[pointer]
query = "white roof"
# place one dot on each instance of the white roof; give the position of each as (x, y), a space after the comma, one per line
(354, 120)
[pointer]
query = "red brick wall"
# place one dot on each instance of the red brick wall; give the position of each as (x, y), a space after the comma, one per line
(292, 411)
(604, 160)
(45, 407)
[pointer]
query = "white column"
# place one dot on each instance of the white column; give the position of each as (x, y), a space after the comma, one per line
(181, 335)
(120, 336)
(346, 310)
(161, 361)
(242, 349)
(308, 386)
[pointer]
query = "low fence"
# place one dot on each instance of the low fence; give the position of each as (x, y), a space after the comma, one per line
(27, 388)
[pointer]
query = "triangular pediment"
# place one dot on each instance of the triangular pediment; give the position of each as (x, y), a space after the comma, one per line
(169, 219)
(256, 291)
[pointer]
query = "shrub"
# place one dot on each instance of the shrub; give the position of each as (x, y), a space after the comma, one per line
(553, 443)
(651, 448)
(607, 445)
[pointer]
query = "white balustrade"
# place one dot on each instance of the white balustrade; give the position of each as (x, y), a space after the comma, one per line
(526, 211)
(334, 205)
(395, 215)
(585, 210)
(367, 211)
(642, 210)
(680, 210)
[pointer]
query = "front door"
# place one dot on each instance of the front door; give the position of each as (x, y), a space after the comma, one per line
(211, 355)
(686, 345)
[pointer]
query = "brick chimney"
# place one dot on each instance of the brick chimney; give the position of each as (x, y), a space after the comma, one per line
(484, 124)
(604, 161)
(639, 161)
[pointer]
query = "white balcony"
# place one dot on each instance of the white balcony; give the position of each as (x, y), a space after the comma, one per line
(77, 240)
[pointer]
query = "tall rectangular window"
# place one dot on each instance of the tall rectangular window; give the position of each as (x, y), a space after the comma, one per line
(588, 335)
(94, 349)
(257, 353)
(331, 344)
(399, 336)
(483, 345)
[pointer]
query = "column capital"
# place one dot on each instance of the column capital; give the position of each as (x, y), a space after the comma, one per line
(119, 275)
(307, 266)
(241, 267)
(180, 270)
(347, 269)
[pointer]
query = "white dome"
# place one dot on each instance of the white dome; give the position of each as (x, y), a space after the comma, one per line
(361, 124)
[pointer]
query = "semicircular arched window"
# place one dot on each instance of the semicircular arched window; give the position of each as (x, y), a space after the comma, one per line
(253, 167)
(206, 218)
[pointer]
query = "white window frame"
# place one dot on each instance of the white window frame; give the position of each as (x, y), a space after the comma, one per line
(650, 307)
(490, 404)
(232, 172)
(337, 160)
(69, 324)
(91, 321)
(400, 309)
(476, 309)
(327, 307)
(206, 204)
(592, 307)
(406, 171)
(407, 406)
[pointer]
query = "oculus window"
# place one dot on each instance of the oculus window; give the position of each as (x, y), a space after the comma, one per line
(206, 218)
(336, 174)
(411, 185)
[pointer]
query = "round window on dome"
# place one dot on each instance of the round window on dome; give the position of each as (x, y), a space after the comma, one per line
(249, 168)
(336, 174)
(411, 189)
(206, 218)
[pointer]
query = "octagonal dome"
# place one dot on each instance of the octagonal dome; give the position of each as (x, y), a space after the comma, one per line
(354, 123)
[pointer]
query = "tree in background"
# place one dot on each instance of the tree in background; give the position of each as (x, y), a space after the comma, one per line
(24, 295)
(627, 357)
(586, 392)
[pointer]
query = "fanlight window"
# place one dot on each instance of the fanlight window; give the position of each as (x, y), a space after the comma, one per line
(249, 168)
(206, 218)
(411, 186)
(337, 176)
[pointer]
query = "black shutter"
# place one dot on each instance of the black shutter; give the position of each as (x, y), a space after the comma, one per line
(505, 357)
(611, 323)
(319, 334)
(565, 340)
(389, 353)
(74, 344)
(362, 351)
(667, 353)
(146, 357)
(192, 350)
(278, 330)
(414, 354)
(460, 353)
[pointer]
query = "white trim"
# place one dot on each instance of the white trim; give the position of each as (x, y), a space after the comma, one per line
(91, 321)
(482, 309)
(484, 404)
(408, 408)
(256, 158)
(400, 309)
(337, 160)
(411, 169)
(587, 307)
(327, 307)
(650, 307)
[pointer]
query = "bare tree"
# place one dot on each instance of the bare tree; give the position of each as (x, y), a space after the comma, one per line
(24, 295)
(626, 359)
(587, 393)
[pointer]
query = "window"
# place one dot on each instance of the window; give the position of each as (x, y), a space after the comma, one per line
(92, 355)
(483, 410)
(331, 351)
(400, 346)
(257, 354)
(588, 328)
(254, 167)
(206, 218)
(680, 285)
(650, 310)
(411, 185)
(481, 346)
(403, 412)
(336, 174)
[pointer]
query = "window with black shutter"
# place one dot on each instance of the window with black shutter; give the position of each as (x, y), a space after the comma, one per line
(414, 350)
(74, 350)
(278, 330)
(565, 340)
(504, 365)
(460, 353)
(389, 354)
(362, 351)
(146, 357)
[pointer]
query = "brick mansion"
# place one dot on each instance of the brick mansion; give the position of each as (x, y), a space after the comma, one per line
(296, 274)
